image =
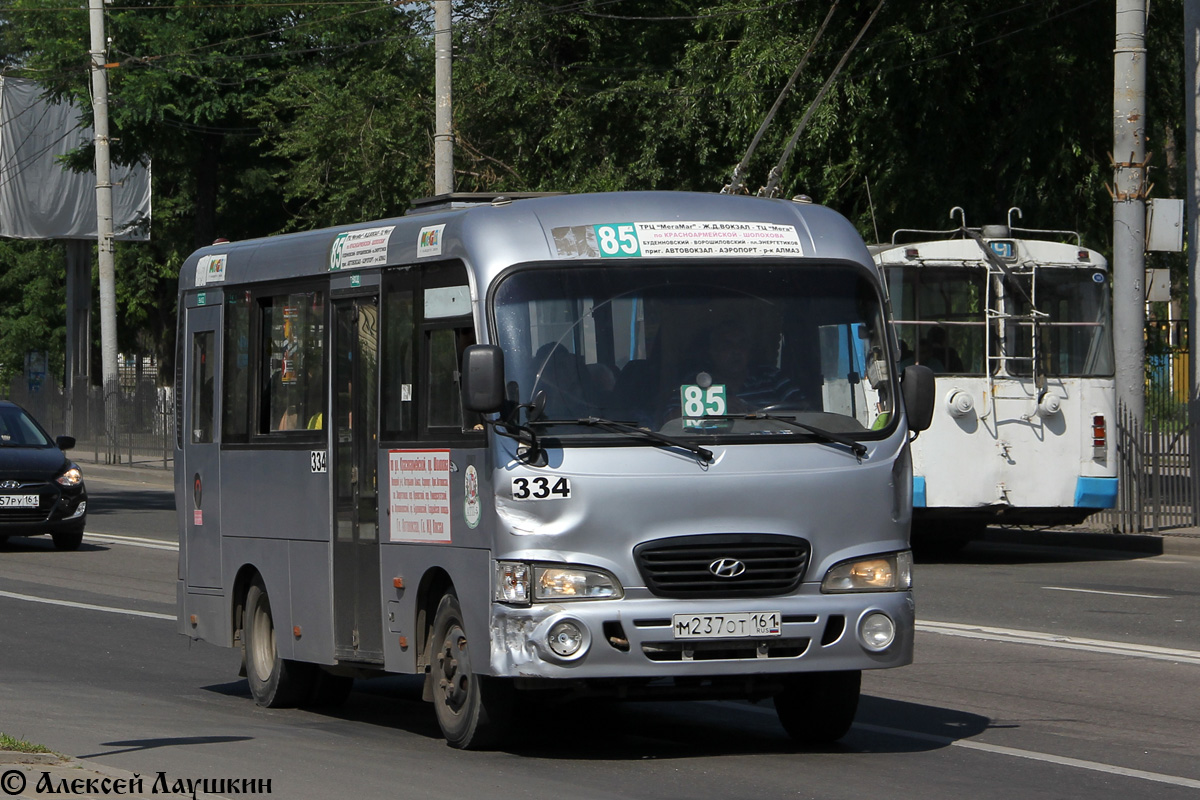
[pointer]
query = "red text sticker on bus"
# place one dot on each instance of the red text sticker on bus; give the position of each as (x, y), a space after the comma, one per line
(419, 495)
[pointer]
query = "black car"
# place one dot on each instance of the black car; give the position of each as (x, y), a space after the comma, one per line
(41, 490)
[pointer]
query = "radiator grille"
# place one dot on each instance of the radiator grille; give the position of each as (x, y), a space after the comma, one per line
(723, 565)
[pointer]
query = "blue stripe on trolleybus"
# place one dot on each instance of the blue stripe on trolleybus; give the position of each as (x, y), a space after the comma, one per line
(919, 491)
(1093, 493)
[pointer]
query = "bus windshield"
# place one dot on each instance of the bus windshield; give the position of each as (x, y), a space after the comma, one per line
(697, 350)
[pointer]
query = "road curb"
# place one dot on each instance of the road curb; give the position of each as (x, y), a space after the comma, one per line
(1181, 544)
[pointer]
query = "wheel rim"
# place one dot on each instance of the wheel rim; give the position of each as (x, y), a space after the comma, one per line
(454, 670)
(262, 640)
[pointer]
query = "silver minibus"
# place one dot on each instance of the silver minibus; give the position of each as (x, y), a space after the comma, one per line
(638, 445)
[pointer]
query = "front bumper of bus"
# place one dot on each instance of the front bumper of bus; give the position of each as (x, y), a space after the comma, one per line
(636, 637)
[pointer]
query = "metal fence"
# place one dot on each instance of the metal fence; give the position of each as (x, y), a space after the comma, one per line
(143, 429)
(1158, 480)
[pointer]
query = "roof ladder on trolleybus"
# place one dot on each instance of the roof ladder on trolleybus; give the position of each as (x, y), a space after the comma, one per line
(999, 313)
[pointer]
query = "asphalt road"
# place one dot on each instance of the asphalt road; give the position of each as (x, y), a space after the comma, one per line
(1039, 674)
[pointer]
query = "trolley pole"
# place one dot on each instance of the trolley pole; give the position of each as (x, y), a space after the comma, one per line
(1129, 209)
(443, 135)
(104, 222)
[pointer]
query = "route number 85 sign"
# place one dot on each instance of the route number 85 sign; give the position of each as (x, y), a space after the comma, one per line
(700, 402)
(618, 239)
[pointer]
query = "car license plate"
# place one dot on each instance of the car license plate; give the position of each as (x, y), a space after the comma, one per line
(741, 625)
(19, 500)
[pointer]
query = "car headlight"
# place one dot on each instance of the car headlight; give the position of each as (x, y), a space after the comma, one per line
(886, 573)
(573, 583)
(72, 477)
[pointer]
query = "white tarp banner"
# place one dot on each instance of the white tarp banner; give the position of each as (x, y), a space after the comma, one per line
(39, 197)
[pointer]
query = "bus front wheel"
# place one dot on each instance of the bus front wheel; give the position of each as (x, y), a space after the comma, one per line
(818, 708)
(274, 682)
(472, 709)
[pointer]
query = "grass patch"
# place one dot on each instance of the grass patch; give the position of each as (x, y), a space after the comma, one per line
(20, 745)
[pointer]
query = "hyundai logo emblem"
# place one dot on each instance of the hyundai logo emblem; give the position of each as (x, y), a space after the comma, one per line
(10, 485)
(726, 568)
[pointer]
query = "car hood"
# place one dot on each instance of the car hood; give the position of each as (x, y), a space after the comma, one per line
(31, 463)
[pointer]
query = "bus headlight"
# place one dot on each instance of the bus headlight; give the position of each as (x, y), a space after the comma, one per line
(520, 583)
(573, 583)
(886, 573)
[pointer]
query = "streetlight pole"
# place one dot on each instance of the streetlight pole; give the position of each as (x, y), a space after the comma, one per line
(1129, 209)
(443, 135)
(104, 221)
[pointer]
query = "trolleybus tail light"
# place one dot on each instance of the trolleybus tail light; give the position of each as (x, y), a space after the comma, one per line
(1099, 436)
(912, 252)
(1084, 255)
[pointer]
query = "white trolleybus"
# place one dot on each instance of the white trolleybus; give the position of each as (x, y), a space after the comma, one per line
(1014, 323)
(639, 445)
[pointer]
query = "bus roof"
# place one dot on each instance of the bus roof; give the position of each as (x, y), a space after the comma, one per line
(491, 236)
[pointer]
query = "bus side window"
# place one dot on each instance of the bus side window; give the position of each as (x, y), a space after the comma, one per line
(445, 348)
(293, 362)
(235, 423)
(396, 395)
(203, 387)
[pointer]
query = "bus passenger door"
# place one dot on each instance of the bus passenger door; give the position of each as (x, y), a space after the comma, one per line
(201, 447)
(358, 621)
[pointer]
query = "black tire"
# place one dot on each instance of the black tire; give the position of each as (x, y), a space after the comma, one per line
(68, 540)
(274, 682)
(818, 708)
(472, 710)
(329, 691)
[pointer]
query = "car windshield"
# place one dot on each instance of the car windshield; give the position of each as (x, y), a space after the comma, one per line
(17, 429)
(713, 350)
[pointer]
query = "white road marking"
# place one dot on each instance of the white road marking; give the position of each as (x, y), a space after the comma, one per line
(1113, 594)
(132, 541)
(996, 749)
(87, 606)
(1063, 642)
(1094, 766)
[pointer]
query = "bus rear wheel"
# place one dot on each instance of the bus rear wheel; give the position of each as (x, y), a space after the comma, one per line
(472, 709)
(274, 682)
(818, 708)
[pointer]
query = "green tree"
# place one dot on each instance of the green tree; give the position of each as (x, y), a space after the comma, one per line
(33, 314)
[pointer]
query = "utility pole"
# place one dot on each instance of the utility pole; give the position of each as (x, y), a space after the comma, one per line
(1129, 208)
(104, 222)
(443, 134)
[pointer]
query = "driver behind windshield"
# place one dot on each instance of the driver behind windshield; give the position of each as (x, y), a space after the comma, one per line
(751, 384)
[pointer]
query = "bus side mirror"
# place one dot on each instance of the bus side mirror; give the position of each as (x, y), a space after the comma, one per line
(918, 388)
(483, 378)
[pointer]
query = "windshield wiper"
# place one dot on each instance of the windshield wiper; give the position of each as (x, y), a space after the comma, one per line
(858, 448)
(624, 427)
